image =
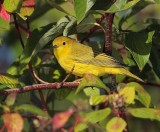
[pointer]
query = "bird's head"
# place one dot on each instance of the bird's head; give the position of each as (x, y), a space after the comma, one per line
(61, 45)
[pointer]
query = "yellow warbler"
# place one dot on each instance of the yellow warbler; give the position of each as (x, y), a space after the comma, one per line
(71, 53)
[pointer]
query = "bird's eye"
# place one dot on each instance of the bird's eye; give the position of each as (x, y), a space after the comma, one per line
(64, 43)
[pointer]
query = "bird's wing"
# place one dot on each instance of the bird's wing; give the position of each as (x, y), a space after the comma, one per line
(81, 52)
(101, 60)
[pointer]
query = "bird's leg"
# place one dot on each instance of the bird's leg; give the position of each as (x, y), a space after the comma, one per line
(61, 84)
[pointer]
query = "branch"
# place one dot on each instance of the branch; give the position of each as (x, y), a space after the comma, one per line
(40, 87)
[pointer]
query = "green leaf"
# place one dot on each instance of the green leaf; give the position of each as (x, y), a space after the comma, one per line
(4, 24)
(9, 81)
(116, 124)
(12, 5)
(82, 7)
(91, 91)
(140, 47)
(86, 24)
(121, 5)
(10, 100)
(95, 100)
(35, 36)
(91, 80)
(128, 92)
(30, 108)
(93, 117)
(55, 5)
(142, 94)
(69, 26)
(145, 113)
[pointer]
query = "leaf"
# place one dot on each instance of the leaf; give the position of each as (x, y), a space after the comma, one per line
(90, 80)
(55, 5)
(10, 100)
(93, 117)
(82, 7)
(27, 8)
(142, 94)
(86, 24)
(116, 124)
(30, 108)
(13, 122)
(91, 91)
(69, 26)
(60, 119)
(140, 47)
(128, 92)
(12, 5)
(121, 5)
(4, 14)
(9, 81)
(95, 100)
(145, 113)
(3, 25)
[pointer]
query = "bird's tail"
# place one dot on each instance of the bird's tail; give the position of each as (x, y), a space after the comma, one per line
(123, 71)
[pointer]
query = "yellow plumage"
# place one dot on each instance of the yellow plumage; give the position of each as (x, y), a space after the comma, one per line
(71, 53)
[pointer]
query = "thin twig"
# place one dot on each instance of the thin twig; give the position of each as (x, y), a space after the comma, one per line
(18, 31)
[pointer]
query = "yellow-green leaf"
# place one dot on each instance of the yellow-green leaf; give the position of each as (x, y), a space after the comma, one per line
(95, 100)
(116, 124)
(146, 113)
(142, 94)
(128, 92)
(9, 81)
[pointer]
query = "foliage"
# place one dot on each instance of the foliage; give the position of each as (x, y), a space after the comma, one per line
(27, 29)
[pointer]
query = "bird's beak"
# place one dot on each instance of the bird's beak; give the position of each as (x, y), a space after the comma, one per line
(55, 46)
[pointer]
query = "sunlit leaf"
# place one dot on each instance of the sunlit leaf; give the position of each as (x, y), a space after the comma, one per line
(91, 91)
(146, 113)
(27, 8)
(142, 94)
(9, 81)
(128, 92)
(116, 124)
(95, 100)
(12, 5)
(13, 122)
(82, 7)
(121, 5)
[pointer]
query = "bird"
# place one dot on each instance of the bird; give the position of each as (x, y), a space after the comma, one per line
(81, 59)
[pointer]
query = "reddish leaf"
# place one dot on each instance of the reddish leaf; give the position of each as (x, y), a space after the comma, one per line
(4, 14)
(27, 8)
(61, 118)
(13, 122)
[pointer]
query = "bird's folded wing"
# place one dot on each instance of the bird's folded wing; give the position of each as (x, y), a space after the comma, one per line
(101, 60)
